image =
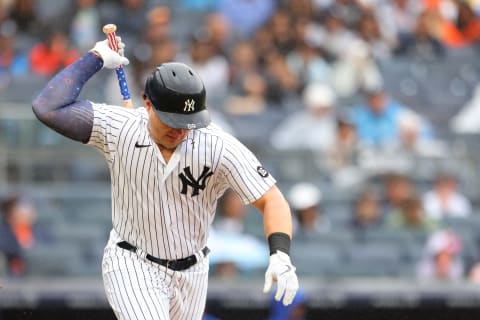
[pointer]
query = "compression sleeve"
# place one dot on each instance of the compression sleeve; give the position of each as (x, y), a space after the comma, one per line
(56, 105)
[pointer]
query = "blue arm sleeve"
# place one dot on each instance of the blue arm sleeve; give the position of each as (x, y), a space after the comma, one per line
(56, 105)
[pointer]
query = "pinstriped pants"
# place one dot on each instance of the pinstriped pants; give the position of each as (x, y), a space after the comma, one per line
(137, 288)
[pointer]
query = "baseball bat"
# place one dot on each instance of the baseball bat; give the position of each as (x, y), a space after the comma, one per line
(109, 30)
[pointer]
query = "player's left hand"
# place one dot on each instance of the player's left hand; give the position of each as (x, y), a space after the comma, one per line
(281, 270)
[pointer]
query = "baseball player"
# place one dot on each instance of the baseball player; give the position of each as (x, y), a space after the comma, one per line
(169, 164)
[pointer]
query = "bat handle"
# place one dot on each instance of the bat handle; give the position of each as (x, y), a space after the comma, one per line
(109, 31)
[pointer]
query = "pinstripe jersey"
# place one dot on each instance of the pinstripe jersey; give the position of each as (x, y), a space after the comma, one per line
(166, 208)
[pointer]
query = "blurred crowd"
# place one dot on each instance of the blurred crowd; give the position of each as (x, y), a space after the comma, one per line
(292, 76)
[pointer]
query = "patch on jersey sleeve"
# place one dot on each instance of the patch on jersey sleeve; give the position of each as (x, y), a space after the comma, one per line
(262, 171)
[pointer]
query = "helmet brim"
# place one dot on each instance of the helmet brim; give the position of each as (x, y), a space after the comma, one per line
(195, 120)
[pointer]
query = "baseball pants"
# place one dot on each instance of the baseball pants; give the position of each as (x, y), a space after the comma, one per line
(137, 288)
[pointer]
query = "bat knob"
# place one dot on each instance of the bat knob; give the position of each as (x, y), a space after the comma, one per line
(109, 28)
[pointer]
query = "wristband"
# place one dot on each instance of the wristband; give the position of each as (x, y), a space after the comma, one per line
(279, 241)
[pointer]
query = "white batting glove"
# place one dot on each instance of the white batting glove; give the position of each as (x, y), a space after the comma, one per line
(281, 270)
(111, 59)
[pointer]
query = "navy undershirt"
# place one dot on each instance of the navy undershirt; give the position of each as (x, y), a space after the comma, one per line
(56, 105)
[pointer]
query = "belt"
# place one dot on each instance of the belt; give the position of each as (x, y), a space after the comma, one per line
(176, 265)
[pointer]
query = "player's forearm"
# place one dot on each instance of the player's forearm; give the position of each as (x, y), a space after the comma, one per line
(56, 104)
(277, 218)
(276, 212)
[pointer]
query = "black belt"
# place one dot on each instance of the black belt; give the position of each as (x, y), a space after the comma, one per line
(176, 265)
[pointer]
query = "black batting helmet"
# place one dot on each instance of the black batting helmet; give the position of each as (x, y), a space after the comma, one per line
(178, 96)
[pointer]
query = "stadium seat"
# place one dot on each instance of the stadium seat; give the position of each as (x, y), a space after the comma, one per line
(316, 259)
(373, 259)
(52, 260)
(337, 239)
(23, 89)
(384, 235)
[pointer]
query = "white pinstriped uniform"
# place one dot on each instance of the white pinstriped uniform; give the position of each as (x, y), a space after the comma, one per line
(165, 209)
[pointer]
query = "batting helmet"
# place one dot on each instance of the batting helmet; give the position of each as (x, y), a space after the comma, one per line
(178, 96)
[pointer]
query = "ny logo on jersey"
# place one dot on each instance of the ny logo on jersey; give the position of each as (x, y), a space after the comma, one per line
(189, 105)
(196, 184)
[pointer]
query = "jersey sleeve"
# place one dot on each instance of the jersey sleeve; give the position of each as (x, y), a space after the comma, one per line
(243, 172)
(108, 122)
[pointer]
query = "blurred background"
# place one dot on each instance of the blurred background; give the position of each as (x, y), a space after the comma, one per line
(367, 112)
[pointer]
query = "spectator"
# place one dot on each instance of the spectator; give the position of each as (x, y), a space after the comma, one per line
(371, 33)
(468, 23)
(411, 217)
(13, 62)
(314, 127)
(250, 98)
(280, 25)
(22, 217)
(341, 159)
(131, 17)
(85, 24)
(158, 27)
(305, 200)
(24, 14)
(378, 120)
(367, 212)
(300, 9)
(282, 83)
(344, 150)
(243, 62)
(55, 53)
(259, 11)
(442, 16)
(263, 43)
(160, 51)
(417, 136)
(445, 199)
(210, 64)
(398, 188)
(219, 29)
(398, 17)
(422, 42)
(442, 260)
(307, 61)
(355, 70)
(153, 47)
(334, 34)
(10, 244)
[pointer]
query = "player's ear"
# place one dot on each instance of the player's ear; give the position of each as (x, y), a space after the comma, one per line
(147, 102)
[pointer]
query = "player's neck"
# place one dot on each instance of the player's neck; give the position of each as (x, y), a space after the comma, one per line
(166, 152)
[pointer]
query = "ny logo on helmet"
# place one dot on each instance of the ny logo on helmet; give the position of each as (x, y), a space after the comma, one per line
(189, 105)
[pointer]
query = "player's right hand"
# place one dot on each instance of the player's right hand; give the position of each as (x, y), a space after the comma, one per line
(111, 59)
(281, 270)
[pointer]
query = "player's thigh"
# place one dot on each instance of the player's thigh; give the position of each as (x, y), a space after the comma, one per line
(190, 295)
(134, 288)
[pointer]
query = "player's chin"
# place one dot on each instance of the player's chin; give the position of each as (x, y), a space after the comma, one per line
(174, 140)
(172, 143)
